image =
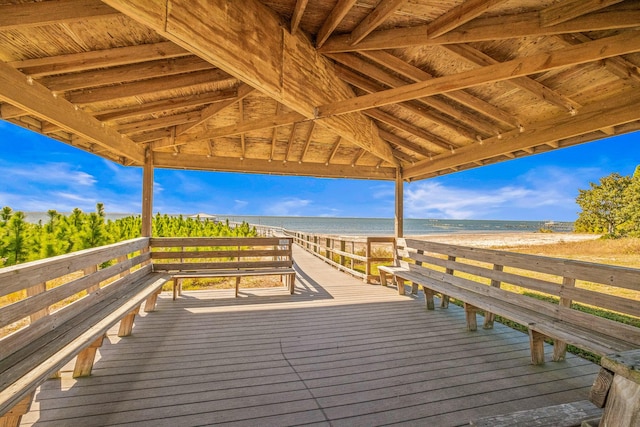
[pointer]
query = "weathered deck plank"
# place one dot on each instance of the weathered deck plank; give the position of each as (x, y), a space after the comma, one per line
(337, 353)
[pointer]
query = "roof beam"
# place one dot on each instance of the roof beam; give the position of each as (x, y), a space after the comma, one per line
(293, 73)
(52, 12)
(459, 15)
(490, 29)
(570, 9)
(477, 57)
(624, 43)
(145, 87)
(298, 11)
(335, 17)
(77, 62)
(232, 164)
(384, 9)
(404, 143)
(611, 112)
(31, 96)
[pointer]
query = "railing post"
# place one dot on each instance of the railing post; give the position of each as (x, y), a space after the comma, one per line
(367, 268)
(343, 246)
(353, 251)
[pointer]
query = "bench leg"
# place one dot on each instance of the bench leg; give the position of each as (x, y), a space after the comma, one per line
(14, 415)
(536, 341)
(150, 305)
(292, 283)
(383, 278)
(489, 318)
(177, 283)
(559, 350)
(85, 359)
(237, 285)
(444, 303)
(400, 283)
(414, 289)
(428, 298)
(470, 312)
(126, 324)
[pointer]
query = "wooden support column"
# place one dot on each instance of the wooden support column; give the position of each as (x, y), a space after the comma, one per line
(399, 213)
(559, 346)
(13, 417)
(489, 317)
(536, 341)
(147, 194)
(84, 361)
(126, 324)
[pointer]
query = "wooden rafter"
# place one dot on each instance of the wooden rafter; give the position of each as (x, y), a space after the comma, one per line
(541, 91)
(292, 136)
(594, 117)
(416, 74)
(31, 96)
(357, 157)
(159, 123)
(335, 17)
(334, 150)
(52, 12)
(298, 11)
(145, 87)
(125, 73)
(459, 15)
(165, 105)
(489, 29)
(621, 44)
(210, 111)
(569, 9)
(307, 142)
(293, 74)
(420, 110)
(409, 128)
(406, 144)
(243, 141)
(77, 62)
(374, 19)
(274, 135)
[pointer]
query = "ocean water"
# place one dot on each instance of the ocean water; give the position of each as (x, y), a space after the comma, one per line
(384, 226)
(373, 226)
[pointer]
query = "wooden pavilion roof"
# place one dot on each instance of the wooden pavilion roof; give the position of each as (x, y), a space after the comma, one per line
(346, 88)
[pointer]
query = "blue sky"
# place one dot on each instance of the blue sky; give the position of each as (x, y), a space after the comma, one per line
(39, 173)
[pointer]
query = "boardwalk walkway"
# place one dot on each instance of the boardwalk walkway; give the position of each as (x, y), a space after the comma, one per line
(337, 353)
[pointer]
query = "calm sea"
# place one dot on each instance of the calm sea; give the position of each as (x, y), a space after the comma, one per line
(375, 226)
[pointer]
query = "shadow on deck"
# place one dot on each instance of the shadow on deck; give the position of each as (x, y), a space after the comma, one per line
(338, 352)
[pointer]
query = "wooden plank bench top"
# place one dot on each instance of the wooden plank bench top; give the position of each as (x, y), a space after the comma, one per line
(565, 415)
(423, 263)
(107, 295)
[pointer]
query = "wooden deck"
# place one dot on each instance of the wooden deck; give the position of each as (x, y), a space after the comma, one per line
(337, 353)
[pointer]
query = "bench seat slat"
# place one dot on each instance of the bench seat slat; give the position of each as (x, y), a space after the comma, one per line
(235, 273)
(564, 415)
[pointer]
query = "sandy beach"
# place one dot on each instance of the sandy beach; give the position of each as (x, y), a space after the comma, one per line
(501, 240)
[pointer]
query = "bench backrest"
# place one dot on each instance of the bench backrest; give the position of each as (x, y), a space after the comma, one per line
(177, 254)
(37, 296)
(502, 274)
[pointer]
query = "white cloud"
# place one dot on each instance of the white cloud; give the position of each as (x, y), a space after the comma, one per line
(49, 174)
(239, 204)
(540, 193)
(288, 207)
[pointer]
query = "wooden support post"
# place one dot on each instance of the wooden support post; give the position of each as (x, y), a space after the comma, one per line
(414, 286)
(147, 194)
(292, 283)
(123, 258)
(470, 313)
(367, 265)
(85, 359)
(400, 284)
(560, 347)
(150, 304)
(343, 247)
(536, 342)
(600, 388)
(89, 271)
(14, 415)
(126, 324)
(399, 206)
(353, 251)
(177, 283)
(489, 317)
(383, 278)
(237, 285)
(623, 403)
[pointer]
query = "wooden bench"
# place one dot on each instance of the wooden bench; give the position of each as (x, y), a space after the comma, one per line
(63, 307)
(614, 400)
(189, 258)
(477, 277)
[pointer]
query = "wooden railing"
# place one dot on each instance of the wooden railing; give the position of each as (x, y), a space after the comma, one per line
(357, 256)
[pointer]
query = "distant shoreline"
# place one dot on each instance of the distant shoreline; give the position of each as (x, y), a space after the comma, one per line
(506, 239)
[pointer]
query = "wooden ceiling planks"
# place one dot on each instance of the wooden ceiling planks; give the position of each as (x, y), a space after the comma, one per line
(342, 88)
